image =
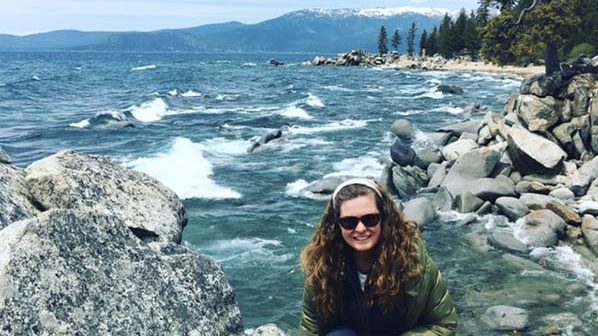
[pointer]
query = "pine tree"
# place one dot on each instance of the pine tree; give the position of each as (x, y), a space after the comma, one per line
(432, 45)
(445, 38)
(411, 39)
(483, 13)
(382, 41)
(458, 33)
(396, 40)
(471, 36)
(423, 44)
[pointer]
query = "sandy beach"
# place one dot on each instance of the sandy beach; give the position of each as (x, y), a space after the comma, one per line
(488, 67)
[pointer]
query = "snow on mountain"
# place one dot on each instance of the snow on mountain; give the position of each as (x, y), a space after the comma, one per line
(377, 12)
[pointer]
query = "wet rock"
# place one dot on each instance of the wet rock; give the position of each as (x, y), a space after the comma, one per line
(269, 329)
(511, 207)
(561, 323)
(69, 180)
(536, 201)
(275, 62)
(407, 180)
(439, 138)
(442, 199)
(402, 153)
(470, 166)
(420, 210)
(541, 85)
(532, 153)
(452, 89)
(15, 201)
(326, 185)
(538, 114)
(542, 227)
(506, 318)
(425, 156)
(562, 194)
(503, 239)
(453, 150)
(84, 272)
(569, 215)
(403, 129)
(4, 157)
(589, 229)
(466, 202)
(457, 129)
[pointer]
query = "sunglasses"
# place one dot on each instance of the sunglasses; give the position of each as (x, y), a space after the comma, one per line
(350, 223)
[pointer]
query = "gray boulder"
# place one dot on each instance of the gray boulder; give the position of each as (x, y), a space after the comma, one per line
(466, 202)
(68, 272)
(15, 201)
(581, 179)
(589, 228)
(326, 185)
(532, 153)
(489, 189)
(4, 157)
(593, 112)
(403, 129)
(588, 208)
(425, 156)
(539, 114)
(407, 180)
(437, 173)
(531, 187)
(470, 166)
(452, 89)
(420, 210)
(541, 85)
(506, 318)
(542, 228)
(69, 180)
(453, 150)
(562, 194)
(592, 193)
(536, 201)
(402, 153)
(504, 239)
(439, 138)
(471, 126)
(511, 207)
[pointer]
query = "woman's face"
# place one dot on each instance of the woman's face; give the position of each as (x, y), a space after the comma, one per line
(362, 238)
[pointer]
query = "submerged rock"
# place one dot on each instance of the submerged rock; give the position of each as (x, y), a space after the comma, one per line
(511, 207)
(69, 180)
(79, 271)
(542, 228)
(506, 318)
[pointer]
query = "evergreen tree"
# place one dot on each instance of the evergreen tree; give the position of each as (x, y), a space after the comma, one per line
(520, 32)
(423, 44)
(382, 41)
(471, 37)
(396, 40)
(411, 39)
(432, 45)
(483, 13)
(458, 33)
(445, 37)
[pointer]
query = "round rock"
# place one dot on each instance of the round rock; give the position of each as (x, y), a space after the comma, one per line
(403, 129)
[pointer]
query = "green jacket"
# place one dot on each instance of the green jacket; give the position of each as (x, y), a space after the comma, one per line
(427, 308)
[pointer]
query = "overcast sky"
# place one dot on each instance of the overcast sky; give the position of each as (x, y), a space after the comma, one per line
(22, 17)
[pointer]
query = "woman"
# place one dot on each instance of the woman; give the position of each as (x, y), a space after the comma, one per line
(368, 273)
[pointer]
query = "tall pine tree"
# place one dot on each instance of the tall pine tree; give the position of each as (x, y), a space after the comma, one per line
(382, 41)
(396, 40)
(432, 45)
(445, 37)
(411, 39)
(423, 44)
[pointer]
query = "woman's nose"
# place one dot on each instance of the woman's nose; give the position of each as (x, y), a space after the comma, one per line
(360, 226)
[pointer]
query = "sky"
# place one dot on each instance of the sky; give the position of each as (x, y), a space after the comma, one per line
(23, 17)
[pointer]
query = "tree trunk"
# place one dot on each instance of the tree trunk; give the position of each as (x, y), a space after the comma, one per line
(551, 58)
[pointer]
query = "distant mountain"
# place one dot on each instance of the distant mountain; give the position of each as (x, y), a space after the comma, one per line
(324, 31)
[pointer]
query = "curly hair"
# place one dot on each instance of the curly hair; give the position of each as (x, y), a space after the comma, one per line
(326, 255)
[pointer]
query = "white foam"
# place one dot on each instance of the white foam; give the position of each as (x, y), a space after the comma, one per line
(296, 189)
(449, 108)
(226, 97)
(519, 230)
(249, 64)
(144, 67)
(184, 169)
(246, 249)
(368, 166)
(337, 88)
(408, 112)
(36, 78)
(431, 93)
(81, 124)
(330, 127)
(295, 112)
(314, 101)
(173, 92)
(150, 111)
(422, 141)
(191, 93)
(222, 146)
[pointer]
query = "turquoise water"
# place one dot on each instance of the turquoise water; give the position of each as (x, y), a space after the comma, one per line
(193, 116)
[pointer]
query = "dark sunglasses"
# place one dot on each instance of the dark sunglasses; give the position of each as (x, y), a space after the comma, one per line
(350, 223)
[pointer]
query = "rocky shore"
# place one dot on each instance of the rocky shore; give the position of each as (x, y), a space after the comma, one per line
(91, 248)
(436, 63)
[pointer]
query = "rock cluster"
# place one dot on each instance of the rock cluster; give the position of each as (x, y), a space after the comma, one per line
(89, 247)
(535, 163)
(392, 59)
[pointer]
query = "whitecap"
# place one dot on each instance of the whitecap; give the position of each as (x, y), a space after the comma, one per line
(226, 97)
(422, 141)
(249, 64)
(367, 166)
(295, 112)
(191, 93)
(144, 67)
(223, 146)
(431, 93)
(184, 169)
(150, 111)
(408, 112)
(449, 108)
(35, 78)
(241, 249)
(173, 92)
(337, 88)
(330, 127)
(297, 189)
(81, 124)
(314, 101)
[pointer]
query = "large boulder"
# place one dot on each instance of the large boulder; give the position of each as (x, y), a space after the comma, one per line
(452, 89)
(407, 180)
(541, 228)
(539, 114)
(69, 180)
(569, 215)
(532, 153)
(589, 228)
(403, 129)
(439, 138)
(68, 272)
(453, 150)
(581, 179)
(489, 189)
(326, 185)
(15, 201)
(402, 153)
(425, 156)
(471, 126)
(593, 112)
(466, 202)
(506, 318)
(504, 239)
(420, 210)
(541, 85)
(468, 167)
(511, 207)
(536, 201)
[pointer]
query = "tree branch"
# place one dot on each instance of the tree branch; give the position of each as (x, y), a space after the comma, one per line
(525, 10)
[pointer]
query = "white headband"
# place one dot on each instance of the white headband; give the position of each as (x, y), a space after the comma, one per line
(357, 180)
